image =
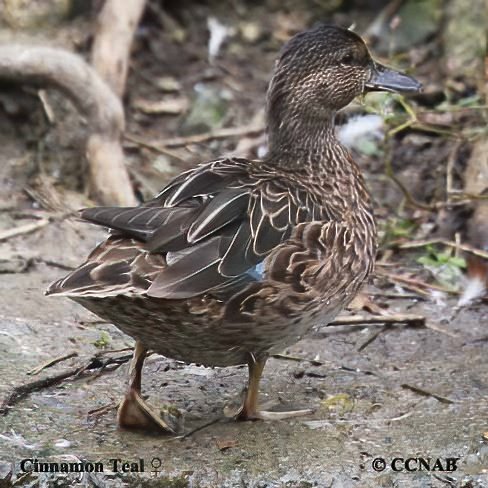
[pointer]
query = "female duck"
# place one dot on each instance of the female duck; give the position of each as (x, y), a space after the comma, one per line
(236, 259)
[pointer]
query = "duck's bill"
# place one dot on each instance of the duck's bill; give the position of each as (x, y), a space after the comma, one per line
(386, 79)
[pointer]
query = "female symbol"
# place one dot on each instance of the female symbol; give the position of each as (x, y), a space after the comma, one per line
(156, 464)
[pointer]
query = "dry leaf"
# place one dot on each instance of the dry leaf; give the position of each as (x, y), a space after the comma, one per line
(363, 302)
(224, 444)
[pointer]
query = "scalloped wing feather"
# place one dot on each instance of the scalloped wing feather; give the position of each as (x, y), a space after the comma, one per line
(118, 266)
(206, 231)
(312, 267)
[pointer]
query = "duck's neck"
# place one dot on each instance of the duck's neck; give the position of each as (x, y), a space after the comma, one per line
(299, 141)
(305, 146)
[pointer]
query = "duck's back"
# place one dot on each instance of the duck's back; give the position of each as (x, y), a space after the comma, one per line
(208, 231)
(229, 258)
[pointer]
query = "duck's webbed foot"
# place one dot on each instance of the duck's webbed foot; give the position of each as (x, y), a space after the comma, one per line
(135, 413)
(249, 409)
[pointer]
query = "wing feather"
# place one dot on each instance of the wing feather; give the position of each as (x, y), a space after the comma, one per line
(193, 274)
(223, 209)
(209, 231)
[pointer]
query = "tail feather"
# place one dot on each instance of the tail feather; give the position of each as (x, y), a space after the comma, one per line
(117, 266)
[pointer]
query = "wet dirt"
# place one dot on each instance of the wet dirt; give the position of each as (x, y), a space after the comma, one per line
(369, 416)
(412, 392)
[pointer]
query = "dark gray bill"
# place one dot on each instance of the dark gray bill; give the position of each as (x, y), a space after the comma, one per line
(387, 79)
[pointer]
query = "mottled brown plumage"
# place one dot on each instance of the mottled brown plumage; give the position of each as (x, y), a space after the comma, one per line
(236, 259)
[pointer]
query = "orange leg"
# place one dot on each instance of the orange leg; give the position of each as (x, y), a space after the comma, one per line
(249, 409)
(134, 412)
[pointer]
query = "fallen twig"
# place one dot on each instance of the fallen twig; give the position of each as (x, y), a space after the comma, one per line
(23, 229)
(114, 364)
(371, 338)
(99, 412)
(152, 147)
(402, 417)
(48, 111)
(29, 228)
(357, 370)
(363, 320)
(95, 366)
(51, 362)
(476, 340)
(288, 357)
(461, 197)
(54, 264)
(20, 392)
(442, 330)
(122, 349)
(205, 137)
(399, 296)
(415, 284)
(423, 392)
(203, 426)
(430, 242)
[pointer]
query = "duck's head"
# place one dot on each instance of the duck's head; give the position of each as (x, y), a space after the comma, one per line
(323, 69)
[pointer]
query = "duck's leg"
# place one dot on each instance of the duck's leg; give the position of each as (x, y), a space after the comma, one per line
(134, 412)
(249, 409)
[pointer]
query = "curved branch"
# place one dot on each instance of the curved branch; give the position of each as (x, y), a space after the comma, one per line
(116, 25)
(69, 73)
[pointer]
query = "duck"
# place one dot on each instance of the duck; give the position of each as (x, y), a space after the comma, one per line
(237, 259)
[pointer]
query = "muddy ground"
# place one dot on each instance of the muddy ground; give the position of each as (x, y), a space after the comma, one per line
(405, 391)
(370, 414)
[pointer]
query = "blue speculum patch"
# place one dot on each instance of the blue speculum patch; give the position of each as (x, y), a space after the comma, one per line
(257, 272)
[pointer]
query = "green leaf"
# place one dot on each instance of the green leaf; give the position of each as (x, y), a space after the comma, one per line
(458, 262)
(103, 341)
(427, 261)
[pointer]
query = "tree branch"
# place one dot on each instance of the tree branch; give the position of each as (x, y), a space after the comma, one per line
(116, 25)
(69, 73)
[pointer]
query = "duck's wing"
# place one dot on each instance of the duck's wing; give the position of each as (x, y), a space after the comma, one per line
(209, 230)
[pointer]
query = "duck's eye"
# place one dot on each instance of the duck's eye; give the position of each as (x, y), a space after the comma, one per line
(347, 58)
